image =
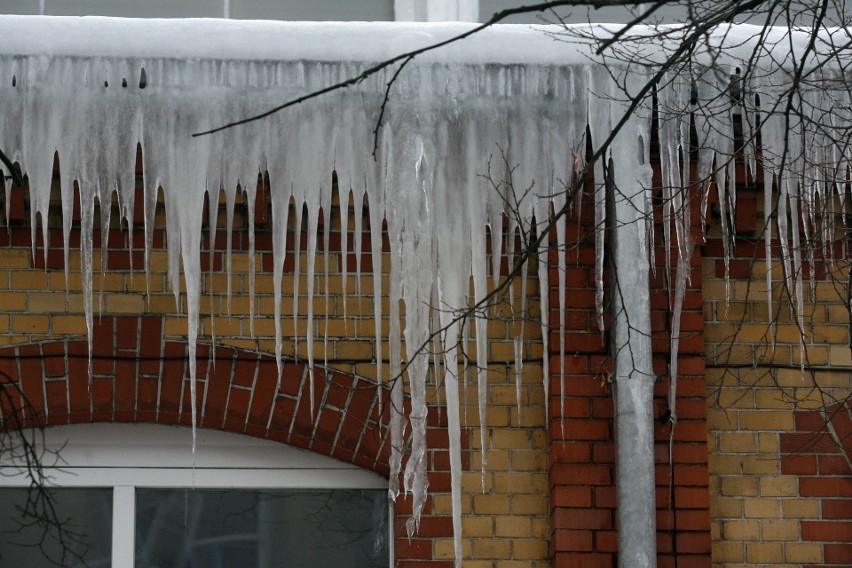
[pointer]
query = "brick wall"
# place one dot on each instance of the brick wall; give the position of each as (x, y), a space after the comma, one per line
(582, 450)
(140, 371)
(779, 428)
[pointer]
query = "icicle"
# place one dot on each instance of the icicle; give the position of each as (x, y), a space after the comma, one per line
(343, 197)
(313, 220)
(280, 215)
(535, 103)
(326, 243)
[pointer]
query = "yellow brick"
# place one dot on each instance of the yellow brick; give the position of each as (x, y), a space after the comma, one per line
(13, 301)
(742, 531)
(68, 325)
(49, 302)
(715, 530)
(737, 442)
(834, 379)
(109, 282)
(760, 553)
(492, 548)
(772, 398)
(775, 530)
(444, 548)
(510, 439)
(793, 378)
(497, 416)
(801, 508)
(14, 258)
(28, 324)
(721, 507)
(718, 463)
(721, 420)
(529, 549)
(529, 461)
(491, 504)
(766, 420)
(734, 398)
(513, 482)
(4, 323)
(762, 509)
(778, 486)
(75, 282)
(814, 355)
(497, 460)
(840, 355)
(30, 280)
(728, 551)
(512, 527)
(477, 526)
(767, 442)
(739, 486)
(161, 304)
(541, 527)
(124, 303)
(763, 464)
(807, 553)
(530, 505)
(472, 482)
(443, 505)
(174, 326)
(837, 334)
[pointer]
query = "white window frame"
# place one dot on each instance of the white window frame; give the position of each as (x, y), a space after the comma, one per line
(130, 456)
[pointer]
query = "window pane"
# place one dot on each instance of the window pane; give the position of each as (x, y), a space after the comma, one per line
(261, 529)
(84, 538)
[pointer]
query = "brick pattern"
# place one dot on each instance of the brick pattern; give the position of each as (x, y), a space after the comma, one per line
(774, 475)
(507, 524)
(236, 391)
(582, 452)
(819, 454)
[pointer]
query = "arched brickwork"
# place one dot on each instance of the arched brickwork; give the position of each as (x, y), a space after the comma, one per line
(137, 376)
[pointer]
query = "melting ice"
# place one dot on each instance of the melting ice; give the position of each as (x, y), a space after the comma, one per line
(91, 89)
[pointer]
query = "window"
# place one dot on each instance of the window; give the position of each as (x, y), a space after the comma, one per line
(131, 497)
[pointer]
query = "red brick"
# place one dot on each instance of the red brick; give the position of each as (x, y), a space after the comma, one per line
(579, 474)
(605, 497)
(689, 498)
(827, 531)
(54, 359)
(571, 452)
(833, 465)
(125, 332)
(796, 464)
(586, 560)
(691, 475)
(579, 430)
(819, 442)
(809, 421)
(587, 519)
(693, 542)
(606, 541)
(837, 553)
(837, 509)
(825, 487)
(569, 540)
(693, 520)
(572, 496)
(413, 548)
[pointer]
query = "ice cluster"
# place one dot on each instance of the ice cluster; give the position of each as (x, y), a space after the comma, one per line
(91, 89)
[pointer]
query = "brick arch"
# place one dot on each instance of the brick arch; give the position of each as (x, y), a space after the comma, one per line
(139, 377)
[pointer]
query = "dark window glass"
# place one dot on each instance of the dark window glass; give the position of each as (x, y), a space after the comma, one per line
(31, 537)
(178, 528)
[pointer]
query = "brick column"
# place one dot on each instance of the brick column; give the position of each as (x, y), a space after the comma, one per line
(581, 433)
